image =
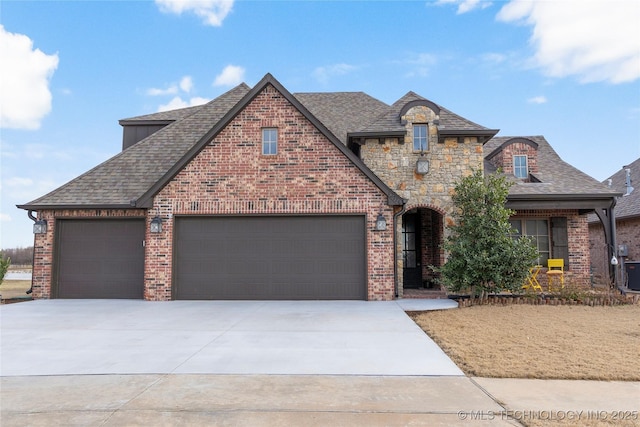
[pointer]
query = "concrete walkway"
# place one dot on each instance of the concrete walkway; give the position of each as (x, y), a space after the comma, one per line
(309, 400)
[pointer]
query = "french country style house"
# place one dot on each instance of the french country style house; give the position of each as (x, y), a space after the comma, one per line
(265, 194)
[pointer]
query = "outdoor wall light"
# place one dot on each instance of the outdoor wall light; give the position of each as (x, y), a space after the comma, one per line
(156, 225)
(40, 227)
(422, 166)
(381, 223)
(614, 260)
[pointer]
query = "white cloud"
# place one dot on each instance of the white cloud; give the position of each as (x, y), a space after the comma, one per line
(594, 41)
(323, 74)
(5, 217)
(178, 102)
(420, 64)
(231, 75)
(493, 58)
(171, 90)
(212, 12)
(465, 6)
(537, 100)
(186, 84)
(25, 97)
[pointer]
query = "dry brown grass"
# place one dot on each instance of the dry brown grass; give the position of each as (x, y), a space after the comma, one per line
(546, 342)
(14, 288)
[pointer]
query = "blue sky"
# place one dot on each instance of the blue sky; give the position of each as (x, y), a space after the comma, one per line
(69, 70)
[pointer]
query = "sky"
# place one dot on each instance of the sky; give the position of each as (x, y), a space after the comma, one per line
(69, 70)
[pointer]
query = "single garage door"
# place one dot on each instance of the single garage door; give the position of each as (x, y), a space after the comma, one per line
(270, 257)
(100, 258)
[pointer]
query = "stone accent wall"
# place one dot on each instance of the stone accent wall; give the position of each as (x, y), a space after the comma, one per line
(579, 268)
(309, 175)
(43, 246)
(504, 158)
(394, 161)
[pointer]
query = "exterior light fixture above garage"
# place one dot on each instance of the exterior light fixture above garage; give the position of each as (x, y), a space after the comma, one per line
(381, 223)
(156, 225)
(40, 227)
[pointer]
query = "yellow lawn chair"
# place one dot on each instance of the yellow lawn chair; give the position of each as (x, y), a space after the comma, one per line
(555, 271)
(532, 279)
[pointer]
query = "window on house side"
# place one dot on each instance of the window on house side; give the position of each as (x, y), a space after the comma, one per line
(269, 141)
(538, 229)
(520, 168)
(420, 142)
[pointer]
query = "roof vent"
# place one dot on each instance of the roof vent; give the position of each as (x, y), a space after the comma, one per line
(628, 180)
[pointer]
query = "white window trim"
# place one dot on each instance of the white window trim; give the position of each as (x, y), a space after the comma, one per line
(426, 137)
(526, 165)
(267, 143)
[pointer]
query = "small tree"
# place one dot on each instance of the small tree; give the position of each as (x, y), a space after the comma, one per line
(483, 255)
(5, 262)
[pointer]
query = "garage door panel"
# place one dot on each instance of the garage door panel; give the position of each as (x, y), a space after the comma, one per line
(305, 257)
(100, 258)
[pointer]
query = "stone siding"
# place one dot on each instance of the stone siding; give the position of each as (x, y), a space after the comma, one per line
(394, 161)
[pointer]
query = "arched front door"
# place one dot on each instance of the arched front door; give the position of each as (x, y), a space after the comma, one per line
(422, 231)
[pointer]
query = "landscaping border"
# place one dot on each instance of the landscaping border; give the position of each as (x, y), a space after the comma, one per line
(542, 299)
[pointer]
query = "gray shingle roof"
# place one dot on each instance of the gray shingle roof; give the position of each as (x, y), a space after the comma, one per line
(627, 206)
(164, 116)
(133, 176)
(135, 173)
(129, 174)
(556, 177)
(389, 121)
(342, 112)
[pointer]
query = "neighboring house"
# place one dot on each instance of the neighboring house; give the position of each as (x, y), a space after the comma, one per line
(627, 227)
(262, 194)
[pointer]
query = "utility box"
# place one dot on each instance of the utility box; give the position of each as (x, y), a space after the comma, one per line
(633, 274)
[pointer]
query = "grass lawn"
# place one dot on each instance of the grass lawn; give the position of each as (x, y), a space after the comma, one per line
(14, 288)
(533, 341)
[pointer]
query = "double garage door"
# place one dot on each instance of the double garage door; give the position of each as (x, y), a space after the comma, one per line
(268, 257)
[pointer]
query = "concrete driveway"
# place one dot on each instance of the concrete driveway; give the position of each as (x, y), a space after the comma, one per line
(85, 337)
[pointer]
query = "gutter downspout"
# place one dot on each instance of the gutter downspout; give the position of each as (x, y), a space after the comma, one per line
(395, 246)
(34, 219)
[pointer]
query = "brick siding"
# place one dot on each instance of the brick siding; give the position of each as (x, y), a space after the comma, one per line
(309, 175)
(578, 270)
(627, 232)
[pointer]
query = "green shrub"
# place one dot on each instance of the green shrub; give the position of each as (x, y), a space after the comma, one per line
(5, 262)
(483, 257)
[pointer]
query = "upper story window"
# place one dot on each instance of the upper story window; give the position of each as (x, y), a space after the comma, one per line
(269, 141)
(520, 167)
(420, 141)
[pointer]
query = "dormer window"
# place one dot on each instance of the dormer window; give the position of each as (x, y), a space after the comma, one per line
(420, 140)
(520, 167)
